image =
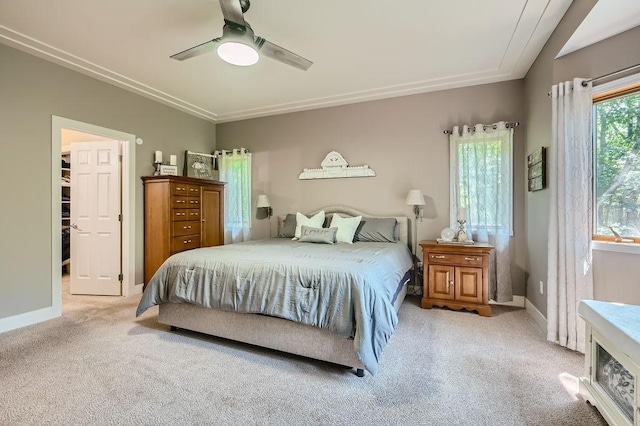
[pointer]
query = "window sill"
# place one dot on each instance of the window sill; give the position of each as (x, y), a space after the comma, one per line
(616, 247)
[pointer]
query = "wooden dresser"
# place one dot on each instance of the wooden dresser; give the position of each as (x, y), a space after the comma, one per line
(180, 213)
(456, 276)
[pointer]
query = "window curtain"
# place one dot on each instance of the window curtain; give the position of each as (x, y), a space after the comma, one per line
(235, 169)
(570, 274)
(482, 183)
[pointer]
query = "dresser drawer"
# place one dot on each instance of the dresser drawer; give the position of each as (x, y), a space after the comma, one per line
(185, 243)
(179, 214)
(179, 189)
(193, 191)
(186, 228)
(193, 214)
(179, 202)
(455, 259)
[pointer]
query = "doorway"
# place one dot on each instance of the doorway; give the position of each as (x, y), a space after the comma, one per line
(66, 129)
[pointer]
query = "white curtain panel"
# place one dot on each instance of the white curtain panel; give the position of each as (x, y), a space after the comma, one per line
(570, 274)
(235, 169)
(481, 167)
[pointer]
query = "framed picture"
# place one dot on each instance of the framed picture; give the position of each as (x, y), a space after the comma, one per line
(537, 156)
(166, 169)
(537, 183)
(537, 169)
(199, 165)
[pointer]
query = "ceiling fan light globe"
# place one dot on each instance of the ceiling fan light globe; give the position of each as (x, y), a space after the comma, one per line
(238, 53)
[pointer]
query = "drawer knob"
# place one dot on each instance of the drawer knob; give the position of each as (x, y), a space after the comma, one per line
(186, 241)
(439, 257)
(471, 258)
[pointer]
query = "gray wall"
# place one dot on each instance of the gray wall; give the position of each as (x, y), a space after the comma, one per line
(31, 91)
(401, 139)
(612, 280)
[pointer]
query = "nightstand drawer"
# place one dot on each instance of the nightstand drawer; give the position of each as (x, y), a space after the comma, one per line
(455, 259)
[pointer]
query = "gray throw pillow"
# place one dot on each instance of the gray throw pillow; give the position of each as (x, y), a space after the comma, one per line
(288, 227)
(309, 234)
(376, 230)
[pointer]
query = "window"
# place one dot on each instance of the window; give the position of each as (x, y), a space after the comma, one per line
(616, 137)
(235, 169)
(483, 178)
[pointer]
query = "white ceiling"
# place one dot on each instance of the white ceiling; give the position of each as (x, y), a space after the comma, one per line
(361, 49)
(606, 19)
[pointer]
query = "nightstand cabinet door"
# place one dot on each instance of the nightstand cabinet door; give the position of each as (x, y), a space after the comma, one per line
(468, 284)
(441, 282)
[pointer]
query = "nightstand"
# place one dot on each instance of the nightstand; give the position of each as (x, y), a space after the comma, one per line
(456, 276)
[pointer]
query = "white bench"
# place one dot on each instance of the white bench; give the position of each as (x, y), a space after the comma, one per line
(612, 359)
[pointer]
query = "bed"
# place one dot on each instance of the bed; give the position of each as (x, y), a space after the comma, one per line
(336, 303)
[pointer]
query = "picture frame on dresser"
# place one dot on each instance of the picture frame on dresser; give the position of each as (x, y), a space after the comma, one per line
(199, 165)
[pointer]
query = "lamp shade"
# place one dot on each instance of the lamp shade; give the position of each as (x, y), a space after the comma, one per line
(415, 198)
(263, 201)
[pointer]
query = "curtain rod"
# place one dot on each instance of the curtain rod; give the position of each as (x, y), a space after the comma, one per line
(611, 74)
(602, 77)
(508, 126)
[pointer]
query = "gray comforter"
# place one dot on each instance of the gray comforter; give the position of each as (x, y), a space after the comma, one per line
(346, 288)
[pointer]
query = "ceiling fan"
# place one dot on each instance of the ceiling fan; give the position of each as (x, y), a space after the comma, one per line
(239, 45)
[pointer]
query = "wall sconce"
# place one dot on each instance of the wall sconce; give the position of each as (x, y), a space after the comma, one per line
(263, 203)
(415, 198)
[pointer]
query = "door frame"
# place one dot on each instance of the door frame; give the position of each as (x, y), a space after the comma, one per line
(129, 286)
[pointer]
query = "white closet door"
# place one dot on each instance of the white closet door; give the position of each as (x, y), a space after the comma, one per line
(95, 210)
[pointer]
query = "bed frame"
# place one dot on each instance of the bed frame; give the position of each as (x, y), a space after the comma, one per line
(277, 333)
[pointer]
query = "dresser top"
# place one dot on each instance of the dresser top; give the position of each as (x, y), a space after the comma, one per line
(181, 179)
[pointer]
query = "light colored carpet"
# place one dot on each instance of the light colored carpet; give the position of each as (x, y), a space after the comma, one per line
(98, 365)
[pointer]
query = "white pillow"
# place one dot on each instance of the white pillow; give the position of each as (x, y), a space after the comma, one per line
(347, 227)
(314, 222)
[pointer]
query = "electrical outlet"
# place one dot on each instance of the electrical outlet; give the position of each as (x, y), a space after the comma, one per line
(541, 288)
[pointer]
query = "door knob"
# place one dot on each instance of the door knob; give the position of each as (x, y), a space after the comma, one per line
(75, 226)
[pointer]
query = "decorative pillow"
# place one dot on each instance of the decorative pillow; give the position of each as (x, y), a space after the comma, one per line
(315, 222)
(376, 230)
(317, 235)
(346, 227)
(288, 229)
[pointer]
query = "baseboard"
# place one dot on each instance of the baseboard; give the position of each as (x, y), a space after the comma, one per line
(137, 289)
(518, 301)
(28, 318)
(537, 316)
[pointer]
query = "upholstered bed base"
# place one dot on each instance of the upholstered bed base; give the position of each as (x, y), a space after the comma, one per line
(269, 332)
(277, 333)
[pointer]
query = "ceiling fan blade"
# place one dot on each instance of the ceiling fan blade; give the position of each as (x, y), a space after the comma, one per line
(278, 53)
(232, 11)
(196, 50)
